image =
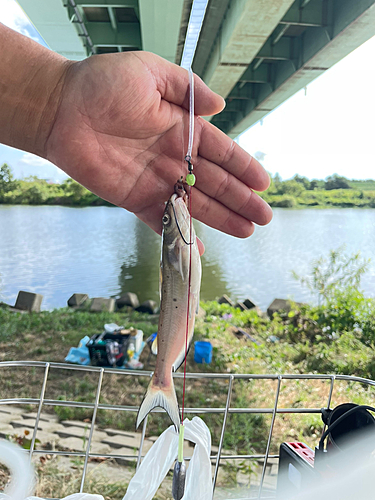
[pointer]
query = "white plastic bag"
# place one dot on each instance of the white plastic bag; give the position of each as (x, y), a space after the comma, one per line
(161, 458)
(22, 474)
(146, 480)
(75, 496)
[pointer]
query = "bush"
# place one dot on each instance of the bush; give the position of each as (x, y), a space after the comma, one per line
(336, 182)
(285, 202)
(291, 187)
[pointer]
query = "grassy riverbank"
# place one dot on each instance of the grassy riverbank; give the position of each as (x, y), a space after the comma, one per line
(335, 338)
(335, 191)
(298, 192)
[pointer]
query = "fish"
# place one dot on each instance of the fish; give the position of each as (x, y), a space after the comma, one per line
(177, 242)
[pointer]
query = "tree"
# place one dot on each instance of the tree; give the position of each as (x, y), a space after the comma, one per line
(337, 272)
(336, 182)
(291, 187)
(277, 179)
(75, 190)
(6, 179)
(302, 180)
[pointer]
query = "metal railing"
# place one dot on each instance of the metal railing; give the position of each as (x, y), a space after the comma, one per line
(225, 411)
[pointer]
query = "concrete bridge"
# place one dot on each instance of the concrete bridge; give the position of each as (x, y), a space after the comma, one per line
(255, 53)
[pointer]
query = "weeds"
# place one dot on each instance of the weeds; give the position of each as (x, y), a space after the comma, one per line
(55, 481)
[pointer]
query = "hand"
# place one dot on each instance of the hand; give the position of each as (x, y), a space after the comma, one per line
(121, 130)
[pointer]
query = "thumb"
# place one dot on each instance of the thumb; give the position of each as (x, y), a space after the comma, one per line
(173, 84)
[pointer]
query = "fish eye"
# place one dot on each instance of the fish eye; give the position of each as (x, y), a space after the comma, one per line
(166, 219)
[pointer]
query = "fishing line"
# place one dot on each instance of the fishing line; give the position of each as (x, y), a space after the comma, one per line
(190, 180)
(188, 309)
(191, 116)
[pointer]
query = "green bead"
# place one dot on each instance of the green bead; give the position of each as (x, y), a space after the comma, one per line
(190, 179)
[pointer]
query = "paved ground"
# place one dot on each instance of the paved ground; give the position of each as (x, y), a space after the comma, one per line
(70, 435)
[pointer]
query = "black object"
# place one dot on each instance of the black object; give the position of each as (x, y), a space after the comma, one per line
(347, 424)
(108, 349)
(179, 476)
(352, 422)
(296, 469)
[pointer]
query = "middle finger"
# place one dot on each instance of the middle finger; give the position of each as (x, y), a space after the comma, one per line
(224, 187)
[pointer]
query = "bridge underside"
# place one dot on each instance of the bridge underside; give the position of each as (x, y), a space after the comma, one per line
(255, 54)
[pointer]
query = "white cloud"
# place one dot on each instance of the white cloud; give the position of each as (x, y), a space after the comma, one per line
(31, 164)
(12, 15)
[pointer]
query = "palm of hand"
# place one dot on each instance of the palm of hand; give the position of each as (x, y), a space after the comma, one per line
(121, 130)
(114, 122)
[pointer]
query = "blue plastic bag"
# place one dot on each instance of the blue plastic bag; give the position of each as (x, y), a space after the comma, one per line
(79, 355)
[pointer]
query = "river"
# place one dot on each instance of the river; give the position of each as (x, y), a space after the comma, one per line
(104, 251)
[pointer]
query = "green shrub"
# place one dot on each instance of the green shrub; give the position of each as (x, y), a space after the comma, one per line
(285, 202)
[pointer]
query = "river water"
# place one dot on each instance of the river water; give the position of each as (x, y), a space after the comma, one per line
(104, 251)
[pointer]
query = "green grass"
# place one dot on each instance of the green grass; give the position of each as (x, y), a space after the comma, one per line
(319, 198)
(305, 345)
(367, 185)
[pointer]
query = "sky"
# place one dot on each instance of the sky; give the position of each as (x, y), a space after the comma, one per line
(25, 164)
(327, 129)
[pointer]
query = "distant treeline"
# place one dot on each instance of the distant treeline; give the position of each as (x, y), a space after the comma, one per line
(334, 191)
(35, 191)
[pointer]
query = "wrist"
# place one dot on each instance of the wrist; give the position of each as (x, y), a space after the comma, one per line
(31, 81)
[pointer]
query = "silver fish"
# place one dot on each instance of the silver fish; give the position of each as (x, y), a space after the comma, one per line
(171, 336)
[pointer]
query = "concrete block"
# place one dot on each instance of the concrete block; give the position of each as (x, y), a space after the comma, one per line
(73, 443)
(44, 417)
(77, 299)
(224, 299)
(78, 432)
(99, 304)
(46, 437)
(249, 303)
(27, 301)
(241, 306)
(119, 441)
(279, 305)
(51, 427)
(149, 306)
(6, 430)
(126, 452)
(5, 418)
(24, 425)
(153, 438)
(75, 423)
(128, 299)
(114, 432)
(11, 410)
(97, 447)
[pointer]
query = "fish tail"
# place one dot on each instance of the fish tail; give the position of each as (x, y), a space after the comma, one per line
(160, 397)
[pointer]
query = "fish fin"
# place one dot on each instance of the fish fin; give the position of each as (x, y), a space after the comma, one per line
(160, 398)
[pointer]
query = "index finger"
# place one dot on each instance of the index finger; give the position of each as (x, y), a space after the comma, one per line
(220, 149)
